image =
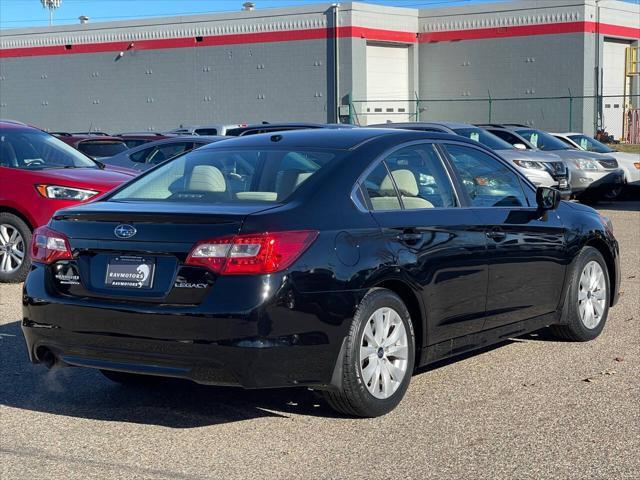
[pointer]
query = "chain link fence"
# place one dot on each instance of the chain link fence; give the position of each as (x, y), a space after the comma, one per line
(554, 113)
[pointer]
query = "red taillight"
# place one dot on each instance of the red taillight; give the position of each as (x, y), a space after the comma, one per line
(48, 246)
(251, 254)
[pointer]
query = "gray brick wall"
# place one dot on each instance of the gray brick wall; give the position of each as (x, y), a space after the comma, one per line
(159, 89)
(518, 67)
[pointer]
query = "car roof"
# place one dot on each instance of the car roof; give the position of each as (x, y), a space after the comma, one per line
(5, 123)
(449, 125)
(566, 134)
(335, 139)
(208, 125)
(140, 134)
(295, 125)
(179, 139)
(85, 137)
(512, 127)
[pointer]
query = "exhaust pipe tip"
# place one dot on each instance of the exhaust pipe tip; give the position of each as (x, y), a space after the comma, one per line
(46, 357)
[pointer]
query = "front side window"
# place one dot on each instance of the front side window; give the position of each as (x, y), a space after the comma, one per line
(590, 144)
(509, 138)
(36, 150)
(488, 139)
(135, 142)
(228, 176)
(487, 181)
(410, 178)
(543, 140)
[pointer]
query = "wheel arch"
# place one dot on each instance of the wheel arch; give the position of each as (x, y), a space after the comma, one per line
(19, 214)
(602, 246)
(415, 307)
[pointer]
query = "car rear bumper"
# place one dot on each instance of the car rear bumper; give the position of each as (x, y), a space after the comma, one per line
(271, 346)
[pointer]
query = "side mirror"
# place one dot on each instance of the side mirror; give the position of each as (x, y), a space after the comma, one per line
(547, 198)
(519, 146)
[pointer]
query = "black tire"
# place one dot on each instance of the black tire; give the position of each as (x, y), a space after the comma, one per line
(354, 398)
(571, 327)
(130, 379)
(21, 272)
(614, 193)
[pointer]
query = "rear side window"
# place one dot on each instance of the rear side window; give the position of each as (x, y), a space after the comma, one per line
(487, 181)
(206, 131)
(165, 152)
(228, 176)
(141, 155)
(380, 189)
(412, 178)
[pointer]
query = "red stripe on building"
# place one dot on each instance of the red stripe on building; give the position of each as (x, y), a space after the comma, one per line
(235, 39)
(529, 30)
(323, 33)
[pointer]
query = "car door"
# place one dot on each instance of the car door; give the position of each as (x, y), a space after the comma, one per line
(431, 243)
(526, 246)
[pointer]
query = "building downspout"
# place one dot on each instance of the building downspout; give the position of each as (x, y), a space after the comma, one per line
(597, 120)
(336, 65)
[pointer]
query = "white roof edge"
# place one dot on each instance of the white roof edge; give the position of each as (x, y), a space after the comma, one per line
(170, 20)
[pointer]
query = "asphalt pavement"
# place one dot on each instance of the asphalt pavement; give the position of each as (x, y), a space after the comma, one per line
(532, 408)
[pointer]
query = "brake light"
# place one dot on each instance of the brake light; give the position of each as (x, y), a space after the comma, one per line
(48, 246)
(251, 254)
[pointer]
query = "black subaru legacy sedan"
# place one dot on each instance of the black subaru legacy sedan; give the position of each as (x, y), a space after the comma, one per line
(339, 260)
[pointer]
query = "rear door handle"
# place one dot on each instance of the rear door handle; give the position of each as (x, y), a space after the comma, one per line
(496, 235)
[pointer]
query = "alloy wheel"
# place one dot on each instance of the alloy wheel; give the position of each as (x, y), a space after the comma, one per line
(12, 248)
(384, 353)
(592, 295)
(613, 193)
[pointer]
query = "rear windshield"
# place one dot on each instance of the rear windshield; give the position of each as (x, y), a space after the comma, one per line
(487, 139)
(102, 149)
(36, 150)
(228, 176)
(543, 140)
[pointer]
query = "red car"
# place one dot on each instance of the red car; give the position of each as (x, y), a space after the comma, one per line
(39, 174)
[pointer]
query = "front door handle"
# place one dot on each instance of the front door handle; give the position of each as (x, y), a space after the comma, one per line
(496, 235)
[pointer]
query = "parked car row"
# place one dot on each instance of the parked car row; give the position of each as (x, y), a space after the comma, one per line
(577, 165)
(41, 174)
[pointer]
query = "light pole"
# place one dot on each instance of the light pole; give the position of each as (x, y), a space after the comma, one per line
(51, 5)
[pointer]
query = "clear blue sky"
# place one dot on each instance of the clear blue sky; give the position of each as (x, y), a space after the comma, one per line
(26, 13)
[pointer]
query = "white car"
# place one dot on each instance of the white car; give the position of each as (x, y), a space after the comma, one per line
(628, 162)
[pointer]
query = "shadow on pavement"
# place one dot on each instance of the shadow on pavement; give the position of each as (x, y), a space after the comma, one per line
(620, 206)
(85, 393)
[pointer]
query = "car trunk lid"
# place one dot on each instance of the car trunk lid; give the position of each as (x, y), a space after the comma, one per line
(132, 251)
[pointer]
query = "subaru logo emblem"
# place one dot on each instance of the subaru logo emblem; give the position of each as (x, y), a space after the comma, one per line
(125, 231)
